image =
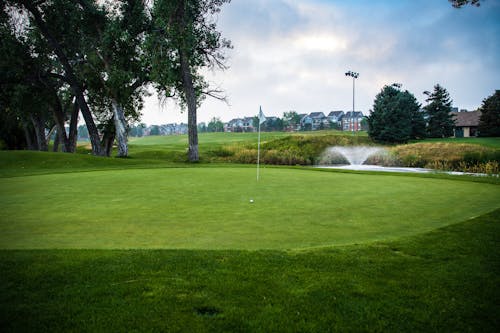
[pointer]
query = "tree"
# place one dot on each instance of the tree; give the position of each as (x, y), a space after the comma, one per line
(440, 122)
(155, 130)
(183, 41)
(460, 3)
(62, 25)
(395, 117)
(113, 56)
(138, 130)
(215, 125)
(22, 96)
(489, 122)
(291, 119)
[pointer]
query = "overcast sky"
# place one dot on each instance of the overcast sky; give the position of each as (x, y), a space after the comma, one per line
(293, 55)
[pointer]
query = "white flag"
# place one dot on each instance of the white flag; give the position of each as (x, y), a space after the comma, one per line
(262, 118)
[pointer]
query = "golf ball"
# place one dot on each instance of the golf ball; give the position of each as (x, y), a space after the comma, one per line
(251, 200)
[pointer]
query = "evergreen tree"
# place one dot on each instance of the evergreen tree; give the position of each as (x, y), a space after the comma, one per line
(416, 115)
(395, 116)
(440, 121)
(489, 122)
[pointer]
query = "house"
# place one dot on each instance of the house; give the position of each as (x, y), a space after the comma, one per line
(351, 121)
(305, 121)
(234, 125)
(318, 120)
(248, 124)
(172, 129)
(335, 116)
(466, 123)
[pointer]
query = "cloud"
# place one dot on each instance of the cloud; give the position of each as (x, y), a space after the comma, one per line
(292, 54)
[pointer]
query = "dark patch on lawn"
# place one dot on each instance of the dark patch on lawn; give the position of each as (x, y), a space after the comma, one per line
(207, 311)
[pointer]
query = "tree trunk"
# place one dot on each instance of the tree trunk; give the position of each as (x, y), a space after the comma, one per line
(107, 142)
(120, 129)
(29, 137)
(71, 78)
(57, 139)
(187, 84)
(39, 126)
(73, 128)
(61, 130)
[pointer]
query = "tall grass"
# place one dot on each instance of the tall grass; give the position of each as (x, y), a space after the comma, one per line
(288, 150)
(448, 156)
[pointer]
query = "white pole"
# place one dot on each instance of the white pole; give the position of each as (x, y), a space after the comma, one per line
(353, 107)
(258, 150)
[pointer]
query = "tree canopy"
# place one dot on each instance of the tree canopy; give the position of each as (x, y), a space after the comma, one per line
(440, 121)
(489, 122)
(184, 40)
(396, 117)
(101, 55)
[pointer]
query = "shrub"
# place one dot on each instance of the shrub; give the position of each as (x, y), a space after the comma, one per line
(449, 156)
(245, 155)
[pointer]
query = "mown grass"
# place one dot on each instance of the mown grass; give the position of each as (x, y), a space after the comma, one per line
(486, 142)
(445, 280)
(420, 280)
(209, 208)
(23, 163)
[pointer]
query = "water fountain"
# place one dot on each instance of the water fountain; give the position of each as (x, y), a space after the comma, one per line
(355, 157)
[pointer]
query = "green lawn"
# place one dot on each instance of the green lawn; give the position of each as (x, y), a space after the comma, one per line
(209, 208)
(442, 281)
(148, 244)
(487, 142)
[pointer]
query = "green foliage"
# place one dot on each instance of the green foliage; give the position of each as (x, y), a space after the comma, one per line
(294, 149)
(215, 125)
(489, 122)
(395, 117)
(291, 119)
(461, 3)
(440, 121)
(184, 28)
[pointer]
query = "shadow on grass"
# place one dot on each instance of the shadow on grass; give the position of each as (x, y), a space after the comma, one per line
(444, 280)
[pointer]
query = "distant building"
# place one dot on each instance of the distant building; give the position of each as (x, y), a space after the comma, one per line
(173, 129)
(234, 125)
(466, 123)
(335, 116)
(239, 125)
(305, 121)
(351, 121)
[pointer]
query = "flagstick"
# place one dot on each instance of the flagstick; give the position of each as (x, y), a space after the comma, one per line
(258, 153)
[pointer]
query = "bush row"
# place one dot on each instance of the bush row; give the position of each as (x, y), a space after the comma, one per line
(290, 150)
(308, 150)
(448, 156)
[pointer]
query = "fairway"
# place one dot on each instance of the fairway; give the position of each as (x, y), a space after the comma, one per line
(209, 208)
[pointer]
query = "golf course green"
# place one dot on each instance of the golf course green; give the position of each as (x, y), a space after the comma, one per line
(226, 208)
(153, 244)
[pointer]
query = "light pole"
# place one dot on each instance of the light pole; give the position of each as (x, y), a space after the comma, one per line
(354, 76)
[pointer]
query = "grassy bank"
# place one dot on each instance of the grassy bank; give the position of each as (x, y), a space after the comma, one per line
(477, 155)
(465, 157)
(442, 281)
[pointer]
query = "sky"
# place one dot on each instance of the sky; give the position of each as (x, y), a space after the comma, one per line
(292, 55)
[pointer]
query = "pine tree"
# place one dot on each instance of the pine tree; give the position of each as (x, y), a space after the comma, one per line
(440, 121)
(395, 117)
(489, 122)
